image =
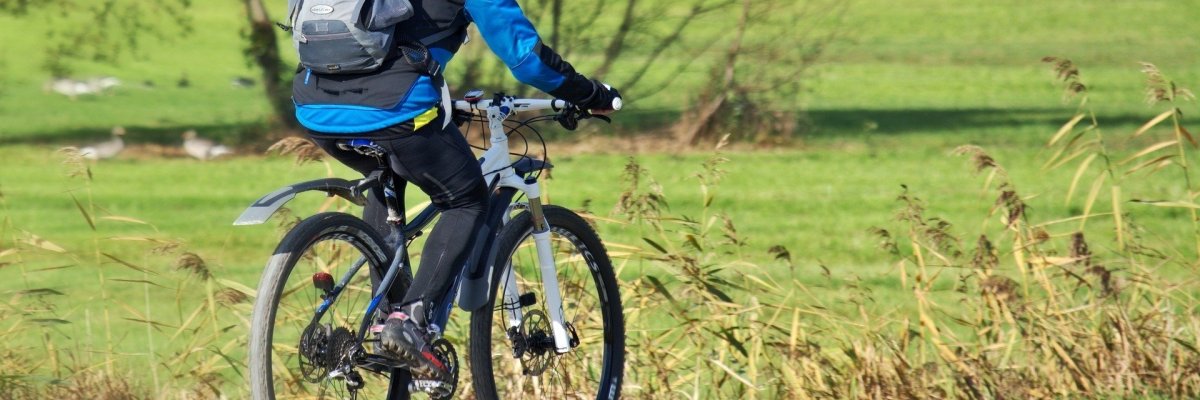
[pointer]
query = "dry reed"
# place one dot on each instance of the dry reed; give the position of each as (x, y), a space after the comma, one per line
(1037, 309)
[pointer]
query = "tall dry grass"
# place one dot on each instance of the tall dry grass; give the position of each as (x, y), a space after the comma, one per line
(1037, 309)
(86, 342)
(1073, 307)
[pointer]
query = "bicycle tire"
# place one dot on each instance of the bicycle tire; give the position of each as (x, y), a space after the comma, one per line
(292, 252)
(489, 344)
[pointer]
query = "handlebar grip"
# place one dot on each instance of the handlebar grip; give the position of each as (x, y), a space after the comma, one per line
(616, 103)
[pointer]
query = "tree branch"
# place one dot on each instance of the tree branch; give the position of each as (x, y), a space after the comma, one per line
(693, 129)
(617, 44)
(264, 50)
(697, 10)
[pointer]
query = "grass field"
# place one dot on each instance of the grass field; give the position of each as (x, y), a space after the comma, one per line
(889, 101)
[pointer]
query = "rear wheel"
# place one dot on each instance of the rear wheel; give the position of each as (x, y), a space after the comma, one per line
(519, 362)
(295, 355)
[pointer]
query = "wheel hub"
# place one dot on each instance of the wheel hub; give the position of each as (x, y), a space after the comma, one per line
(538, 343)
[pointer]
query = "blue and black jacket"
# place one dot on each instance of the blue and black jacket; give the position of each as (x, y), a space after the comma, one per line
(400, 93)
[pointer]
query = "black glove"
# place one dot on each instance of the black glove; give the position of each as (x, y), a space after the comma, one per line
(602, 97)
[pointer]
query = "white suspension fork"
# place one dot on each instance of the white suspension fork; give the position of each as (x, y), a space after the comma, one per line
(562, 343)
(550, 288)
(545, 255)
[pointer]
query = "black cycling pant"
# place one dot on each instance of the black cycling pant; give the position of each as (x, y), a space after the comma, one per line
(441, 164)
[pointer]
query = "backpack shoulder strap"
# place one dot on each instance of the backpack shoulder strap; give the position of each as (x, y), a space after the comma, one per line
(437, 37)
(294, 7)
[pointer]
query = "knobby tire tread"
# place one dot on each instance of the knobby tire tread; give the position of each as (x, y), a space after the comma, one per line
(507, 239)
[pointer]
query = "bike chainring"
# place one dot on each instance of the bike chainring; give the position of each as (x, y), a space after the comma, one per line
(539, 343)
(443, 387)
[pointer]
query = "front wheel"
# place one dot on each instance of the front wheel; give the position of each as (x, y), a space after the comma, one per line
(513, 353)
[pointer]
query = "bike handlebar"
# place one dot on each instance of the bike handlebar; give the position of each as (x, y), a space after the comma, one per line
(526, 104)
(518, 104)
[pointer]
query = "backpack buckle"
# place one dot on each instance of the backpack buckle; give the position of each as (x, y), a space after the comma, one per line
(418, 56)
(365, 147)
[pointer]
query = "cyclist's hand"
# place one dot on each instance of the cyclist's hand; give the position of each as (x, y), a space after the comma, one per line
(604, 99)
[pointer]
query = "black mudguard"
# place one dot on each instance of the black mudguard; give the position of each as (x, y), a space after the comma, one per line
(261, 210)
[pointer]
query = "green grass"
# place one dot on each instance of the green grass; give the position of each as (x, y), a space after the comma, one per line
(900, 89)
(900, 67)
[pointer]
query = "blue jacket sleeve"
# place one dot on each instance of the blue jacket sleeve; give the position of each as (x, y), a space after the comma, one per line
(514, 39)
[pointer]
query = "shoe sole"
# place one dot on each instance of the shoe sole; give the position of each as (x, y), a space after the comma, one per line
(422, 363)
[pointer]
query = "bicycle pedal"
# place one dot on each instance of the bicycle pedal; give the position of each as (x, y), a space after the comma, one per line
(425, 385)
(436, 389)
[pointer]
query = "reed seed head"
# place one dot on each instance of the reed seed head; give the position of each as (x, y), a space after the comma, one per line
(304, 150)
(191, 262)
(1161, 89)
(74, 162)
(1067, 72)
(230, 297)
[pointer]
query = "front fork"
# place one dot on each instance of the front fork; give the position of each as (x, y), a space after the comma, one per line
(545, 260)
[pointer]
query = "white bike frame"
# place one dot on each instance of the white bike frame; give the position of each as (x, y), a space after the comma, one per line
(497, 164)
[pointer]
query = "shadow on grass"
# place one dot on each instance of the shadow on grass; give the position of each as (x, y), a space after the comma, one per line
(853, 122)
(631, 122)
(230, 134)
(850, 121)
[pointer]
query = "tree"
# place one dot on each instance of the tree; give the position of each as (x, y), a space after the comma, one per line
(102, 31)
(755, 90)
(758, 53)
(105, 31)
(263, 49)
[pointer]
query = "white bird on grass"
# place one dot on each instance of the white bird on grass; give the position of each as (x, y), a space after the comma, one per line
(106, 149)
(202, 148)
(73, 88)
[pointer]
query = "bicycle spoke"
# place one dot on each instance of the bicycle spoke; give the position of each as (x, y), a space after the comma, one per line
(576, 373)
(319, 358)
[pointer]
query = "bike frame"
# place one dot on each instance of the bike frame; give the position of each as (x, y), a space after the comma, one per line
(497, 167)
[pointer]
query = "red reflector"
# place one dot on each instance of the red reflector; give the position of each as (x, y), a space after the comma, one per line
(323, 281)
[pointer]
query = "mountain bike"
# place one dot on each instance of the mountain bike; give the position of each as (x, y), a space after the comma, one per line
(546, 317)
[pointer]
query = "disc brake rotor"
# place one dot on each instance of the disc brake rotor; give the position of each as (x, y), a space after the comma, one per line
(539, 353)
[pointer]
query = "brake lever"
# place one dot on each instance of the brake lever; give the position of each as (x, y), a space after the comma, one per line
(569, 118)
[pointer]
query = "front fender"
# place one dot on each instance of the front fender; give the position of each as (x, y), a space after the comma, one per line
(266, 206)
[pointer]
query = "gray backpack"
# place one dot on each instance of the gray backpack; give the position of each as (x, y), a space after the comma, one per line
(345, 36)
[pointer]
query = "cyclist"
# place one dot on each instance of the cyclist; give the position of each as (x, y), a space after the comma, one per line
(401, 106)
